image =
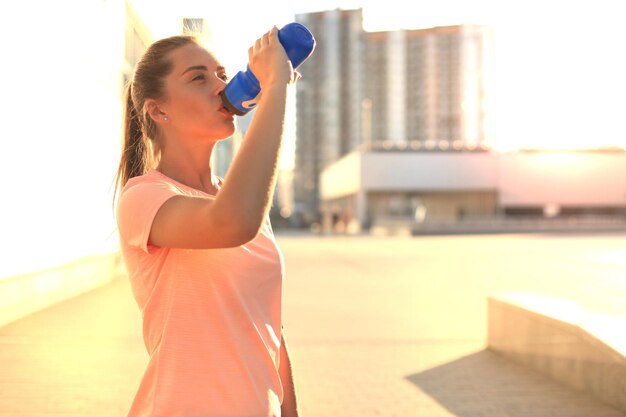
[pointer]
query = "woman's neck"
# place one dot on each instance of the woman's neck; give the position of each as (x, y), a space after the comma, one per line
(189, 165)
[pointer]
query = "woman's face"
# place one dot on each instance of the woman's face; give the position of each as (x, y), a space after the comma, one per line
(192, 103)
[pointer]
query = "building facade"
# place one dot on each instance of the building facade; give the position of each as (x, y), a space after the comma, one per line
(448, 83)
(431, 88)
(370, 188)
(425, 89)
(329, 99)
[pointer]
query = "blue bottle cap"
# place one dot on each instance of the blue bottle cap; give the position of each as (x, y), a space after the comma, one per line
(298, 42)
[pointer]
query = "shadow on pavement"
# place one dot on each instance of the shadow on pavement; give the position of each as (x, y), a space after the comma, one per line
(485, 384)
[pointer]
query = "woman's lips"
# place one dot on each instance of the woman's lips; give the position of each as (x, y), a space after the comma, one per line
(225, 111)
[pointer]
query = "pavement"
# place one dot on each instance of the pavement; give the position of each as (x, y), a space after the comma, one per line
(376, 326)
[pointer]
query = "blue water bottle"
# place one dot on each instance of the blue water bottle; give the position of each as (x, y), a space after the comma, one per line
(240, 93)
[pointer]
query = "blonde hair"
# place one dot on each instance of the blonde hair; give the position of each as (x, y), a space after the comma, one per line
(139, 144)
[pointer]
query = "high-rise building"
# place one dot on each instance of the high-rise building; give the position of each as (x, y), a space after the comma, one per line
(449, 101)
(430, 87)
(424, 89)
(329, 100)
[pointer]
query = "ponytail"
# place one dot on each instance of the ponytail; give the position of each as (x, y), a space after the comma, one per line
(140, 143)
(136, 151)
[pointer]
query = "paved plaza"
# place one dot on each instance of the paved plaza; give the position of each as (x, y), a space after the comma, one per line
(376, 326)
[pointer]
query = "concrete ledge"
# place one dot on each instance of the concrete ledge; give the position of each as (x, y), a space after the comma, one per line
(583, 349)
(25, 294)
(521, 225)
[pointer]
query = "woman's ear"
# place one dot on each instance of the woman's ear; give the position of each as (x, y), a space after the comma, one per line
(155, 112)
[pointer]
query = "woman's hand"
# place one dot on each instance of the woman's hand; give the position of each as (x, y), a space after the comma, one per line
(269, 61)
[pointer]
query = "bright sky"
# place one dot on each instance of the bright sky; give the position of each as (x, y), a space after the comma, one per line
(560, 65)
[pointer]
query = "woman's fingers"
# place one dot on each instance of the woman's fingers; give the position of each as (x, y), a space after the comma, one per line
(295, 76)
(264, 40)
(273, 34)
(267, 59)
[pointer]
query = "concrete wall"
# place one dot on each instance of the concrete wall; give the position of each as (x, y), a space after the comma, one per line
(342, 178)
(429, 171)
(520, 179)
(25, 294)
(61, 85)
(577, 179)
(560, 339)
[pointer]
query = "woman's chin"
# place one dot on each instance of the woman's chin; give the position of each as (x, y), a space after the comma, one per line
(227, 133)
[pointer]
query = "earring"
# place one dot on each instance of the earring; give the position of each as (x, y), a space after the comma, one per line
(165, 118)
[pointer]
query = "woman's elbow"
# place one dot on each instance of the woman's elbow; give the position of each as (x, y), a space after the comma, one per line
(250, 225)
(248, 233)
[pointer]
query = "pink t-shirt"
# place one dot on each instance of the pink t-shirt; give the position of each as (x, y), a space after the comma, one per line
(211, 318)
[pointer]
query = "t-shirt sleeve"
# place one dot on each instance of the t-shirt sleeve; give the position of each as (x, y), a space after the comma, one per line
(137, 208)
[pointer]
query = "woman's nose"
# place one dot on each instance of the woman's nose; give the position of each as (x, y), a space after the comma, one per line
(220, 83)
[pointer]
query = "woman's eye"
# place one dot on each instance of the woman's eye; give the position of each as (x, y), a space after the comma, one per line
(224, 77)
(198, 77)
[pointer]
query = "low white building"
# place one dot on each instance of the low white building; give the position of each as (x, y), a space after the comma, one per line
(371, 187)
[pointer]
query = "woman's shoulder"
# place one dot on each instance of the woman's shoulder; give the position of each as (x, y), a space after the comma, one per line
(155, 179)
(151, 178)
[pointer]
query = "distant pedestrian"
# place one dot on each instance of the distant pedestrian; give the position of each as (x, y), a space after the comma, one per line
(203, 263)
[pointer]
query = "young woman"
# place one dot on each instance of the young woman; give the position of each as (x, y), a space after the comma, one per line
(203, 263)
